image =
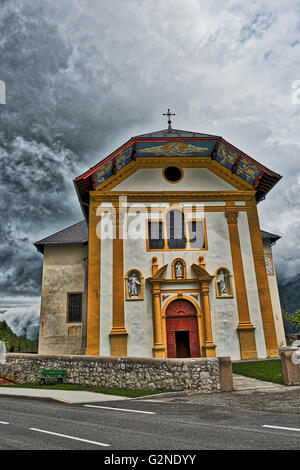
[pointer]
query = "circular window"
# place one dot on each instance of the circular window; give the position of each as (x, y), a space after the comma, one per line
(173, 174)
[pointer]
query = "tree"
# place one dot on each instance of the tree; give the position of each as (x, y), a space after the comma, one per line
(297, 320)
(289, 321)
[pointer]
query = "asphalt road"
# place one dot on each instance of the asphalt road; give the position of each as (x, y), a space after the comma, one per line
(27, 424)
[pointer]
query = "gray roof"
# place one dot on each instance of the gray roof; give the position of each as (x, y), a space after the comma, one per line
(75, 234)
(175, 133)
(270, 236)
(78, 234)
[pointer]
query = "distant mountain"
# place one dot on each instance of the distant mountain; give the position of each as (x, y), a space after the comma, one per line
(16, 343)
(290, 295)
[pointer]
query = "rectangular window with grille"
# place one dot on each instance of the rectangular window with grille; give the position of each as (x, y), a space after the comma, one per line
(74, 308)
(156, 236)
(177, 232)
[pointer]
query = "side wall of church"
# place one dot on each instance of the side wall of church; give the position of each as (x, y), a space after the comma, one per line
(63, 273)
(273, 286)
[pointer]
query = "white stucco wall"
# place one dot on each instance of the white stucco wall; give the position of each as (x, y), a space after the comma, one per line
(223, 311)
(63, 273)
(106, 295)
(273, 286)
(195, 179)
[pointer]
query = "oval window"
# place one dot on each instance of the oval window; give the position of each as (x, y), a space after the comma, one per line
(172, 174)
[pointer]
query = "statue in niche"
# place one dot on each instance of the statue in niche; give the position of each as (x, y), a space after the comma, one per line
(223, 282)
(178, 269)
(134, 284)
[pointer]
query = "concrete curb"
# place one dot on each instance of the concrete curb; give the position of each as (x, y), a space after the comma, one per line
(36, 398)
(164, 395)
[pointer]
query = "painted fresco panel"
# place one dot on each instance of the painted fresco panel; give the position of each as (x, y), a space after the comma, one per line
(186, 148)
(107, 170)
(247, 170)
(123, 158)
(226, 156)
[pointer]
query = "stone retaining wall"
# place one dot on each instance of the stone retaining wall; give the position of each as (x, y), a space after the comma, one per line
(197, 375)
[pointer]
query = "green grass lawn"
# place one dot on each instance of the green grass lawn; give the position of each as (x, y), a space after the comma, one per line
(269, 370)
(87, 388)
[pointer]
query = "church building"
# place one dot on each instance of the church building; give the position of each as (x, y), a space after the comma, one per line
(169, 260)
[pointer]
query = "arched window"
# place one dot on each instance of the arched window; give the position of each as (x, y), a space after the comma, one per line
(175, 223)
(177, 231)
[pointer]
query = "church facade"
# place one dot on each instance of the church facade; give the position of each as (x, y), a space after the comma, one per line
(169, 261)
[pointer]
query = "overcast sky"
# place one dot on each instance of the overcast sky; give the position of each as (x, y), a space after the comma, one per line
(83, 76)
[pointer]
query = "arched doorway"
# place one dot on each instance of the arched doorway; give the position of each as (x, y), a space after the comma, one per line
(182, 329)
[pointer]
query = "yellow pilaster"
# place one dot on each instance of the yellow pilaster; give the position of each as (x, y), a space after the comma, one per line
(93, 300)
(262, 282)
(245, 328)
(158, 348)
(118, 334)
(209, 346)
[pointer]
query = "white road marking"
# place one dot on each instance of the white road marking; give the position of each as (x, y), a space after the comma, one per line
(281, 427)
(70, 437)
(3, 422)
(121, 409)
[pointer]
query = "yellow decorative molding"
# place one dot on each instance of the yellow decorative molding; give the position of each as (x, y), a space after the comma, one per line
(160, 272)
(168, 196)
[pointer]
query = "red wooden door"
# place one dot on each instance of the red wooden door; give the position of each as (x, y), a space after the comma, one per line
(181, 315)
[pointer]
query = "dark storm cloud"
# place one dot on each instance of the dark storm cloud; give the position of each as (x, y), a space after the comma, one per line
(58, 111)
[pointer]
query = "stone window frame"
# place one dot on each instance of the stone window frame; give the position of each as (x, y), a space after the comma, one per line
(68, 321)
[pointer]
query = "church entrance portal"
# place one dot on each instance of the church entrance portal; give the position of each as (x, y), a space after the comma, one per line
(182, 330)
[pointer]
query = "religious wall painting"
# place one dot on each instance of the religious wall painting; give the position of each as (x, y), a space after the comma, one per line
(223, 283)
(134, 285)
(123, 158)
(269, 264)
(104, 172)
(178, 269)
(247, 170)
(115, 164)
(181, 149)
(226, 156)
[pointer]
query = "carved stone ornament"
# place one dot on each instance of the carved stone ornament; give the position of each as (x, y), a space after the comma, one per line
(231, 216)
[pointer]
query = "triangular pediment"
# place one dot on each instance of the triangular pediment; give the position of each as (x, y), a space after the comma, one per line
(190, 149)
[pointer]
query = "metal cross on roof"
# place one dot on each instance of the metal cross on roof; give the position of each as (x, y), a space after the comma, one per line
(169, 114)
